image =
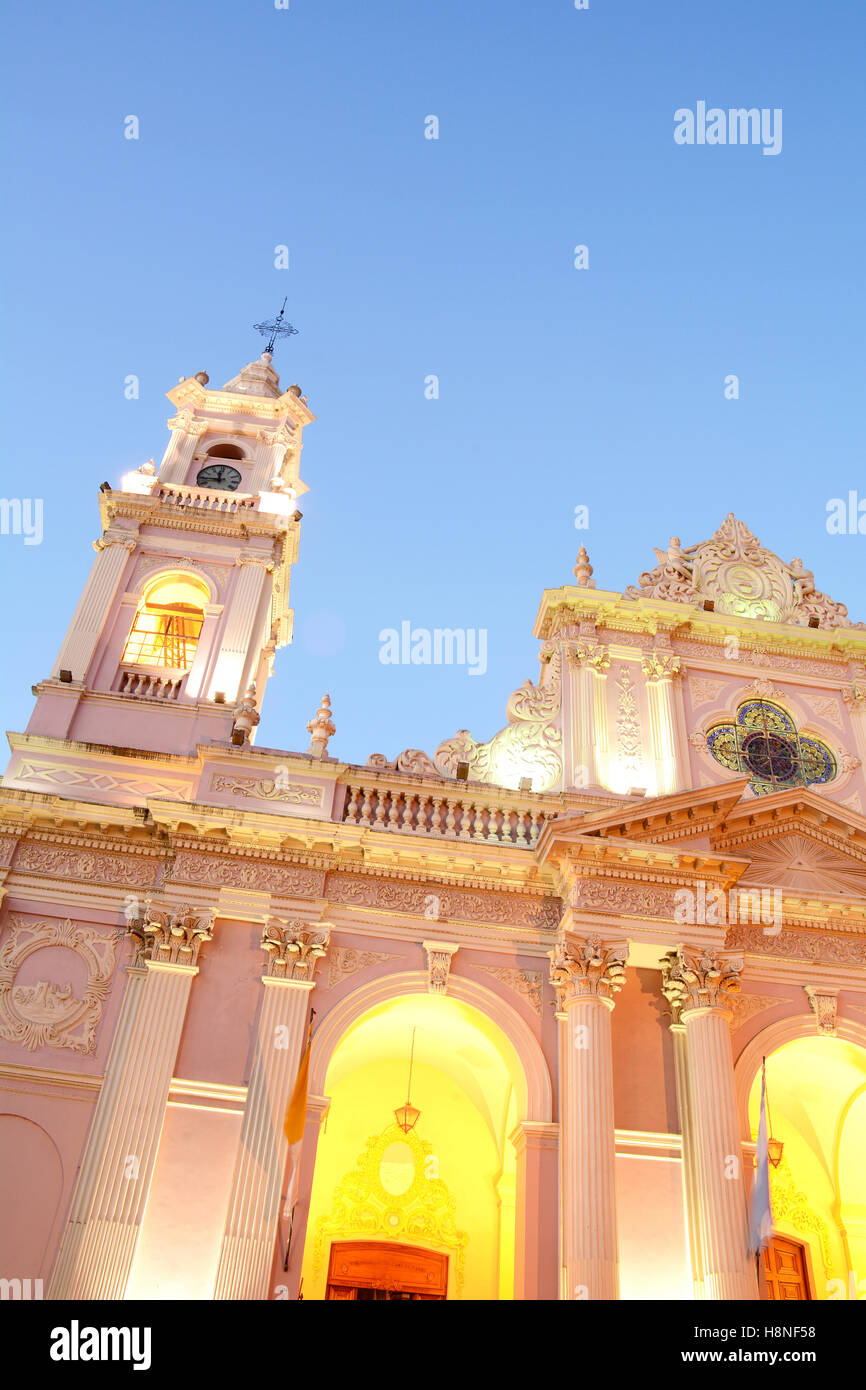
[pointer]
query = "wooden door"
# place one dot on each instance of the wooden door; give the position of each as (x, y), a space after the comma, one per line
(381, 1271)
(785, 1271)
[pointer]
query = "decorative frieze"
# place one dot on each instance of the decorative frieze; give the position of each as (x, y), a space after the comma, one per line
(505, 909)
(625, 899)
(294, 948)
(235, 872)
(48, 1013)
(815, 947)
(75, 864)
(587, 966)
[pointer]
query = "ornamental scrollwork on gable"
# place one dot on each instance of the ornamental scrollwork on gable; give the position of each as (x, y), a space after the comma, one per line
(530, 744)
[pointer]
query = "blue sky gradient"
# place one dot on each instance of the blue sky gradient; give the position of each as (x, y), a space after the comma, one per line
(558, 387)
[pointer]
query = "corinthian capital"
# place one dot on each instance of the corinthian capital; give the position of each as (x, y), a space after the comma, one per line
(256, 557)
(699, 980)
(582, 966)
(172, 936)
(115, 537)
(294, 947)
(660, 664)
(592, 654)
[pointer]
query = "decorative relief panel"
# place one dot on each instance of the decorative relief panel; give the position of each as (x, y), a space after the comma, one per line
(231, 872)
(746, 1006)
(603, 895)
(268, 789)
(80, 864)
(703, 691)
(528, 983)
(73, 778)
(508, 909)
(825, 706)
(628, 740)
(49, 1014)
(150, 564)
(818, 947)
(346, 960)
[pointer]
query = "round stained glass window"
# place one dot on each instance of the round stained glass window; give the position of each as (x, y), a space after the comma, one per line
(764, 745)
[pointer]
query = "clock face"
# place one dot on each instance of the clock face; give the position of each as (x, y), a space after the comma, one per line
(219, 475)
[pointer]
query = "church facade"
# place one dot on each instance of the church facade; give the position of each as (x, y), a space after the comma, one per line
(542, 971)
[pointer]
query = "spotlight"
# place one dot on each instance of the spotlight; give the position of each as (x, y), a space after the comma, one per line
(462, 772)
(65, 676)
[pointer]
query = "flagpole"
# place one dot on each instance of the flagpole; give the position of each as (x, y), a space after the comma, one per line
(285, 1193)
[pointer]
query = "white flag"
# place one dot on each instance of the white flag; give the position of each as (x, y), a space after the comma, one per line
(294, 1176)
(761, 1215)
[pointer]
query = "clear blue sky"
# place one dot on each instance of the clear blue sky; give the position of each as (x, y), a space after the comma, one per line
(410, 256)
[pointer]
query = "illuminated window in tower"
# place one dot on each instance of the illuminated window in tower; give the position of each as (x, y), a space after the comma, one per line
(167, 624)
(764, 745)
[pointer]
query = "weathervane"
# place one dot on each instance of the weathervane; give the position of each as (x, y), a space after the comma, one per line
(275, 328)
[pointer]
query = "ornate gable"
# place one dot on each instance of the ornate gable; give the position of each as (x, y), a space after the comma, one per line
(737, 575)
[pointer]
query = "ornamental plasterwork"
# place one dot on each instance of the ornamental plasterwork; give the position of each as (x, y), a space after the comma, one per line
(703, 691)
(815, 947)
(801, 864)
(346, 960)
(498, 909)
(661, 664)
(413, 761)
(825, 706)
(62, 775)
(628, 740)
(823, 1003)
(294, 948)
(740, 577)
(439, 957)
(755, 653)
(792, 1205)
(48, 1014)
(268, 789)
(527, 983)
(171, 936)
(362, 1207)
(529, 746)
(746, 1006)
(588, 653)
(855, 697)
(699, 979)
(231, 872)
(77, 864)
(603, 895)
(587, 966)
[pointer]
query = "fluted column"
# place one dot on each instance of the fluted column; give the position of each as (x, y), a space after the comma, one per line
(589, 735)
(240, 624)
(699, 985)
(112, 552)
(661, 668)
(586, 973)
(685, 1107)
(247, 1249)
(99, 1244)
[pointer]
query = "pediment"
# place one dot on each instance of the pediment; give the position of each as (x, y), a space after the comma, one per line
(801, 864)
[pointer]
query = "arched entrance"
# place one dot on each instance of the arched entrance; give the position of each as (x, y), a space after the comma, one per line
(817, 1094)
(448, 1188)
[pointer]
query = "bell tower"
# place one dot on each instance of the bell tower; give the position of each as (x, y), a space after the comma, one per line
(173, 638)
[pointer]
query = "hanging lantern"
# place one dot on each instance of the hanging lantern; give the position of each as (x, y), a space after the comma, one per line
(408, 1115)
(774, 1151)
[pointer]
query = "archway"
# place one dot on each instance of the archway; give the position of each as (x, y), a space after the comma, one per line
(449, 1185)
(817, 1095)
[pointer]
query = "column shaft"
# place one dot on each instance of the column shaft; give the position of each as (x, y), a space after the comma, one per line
(254, 1207)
